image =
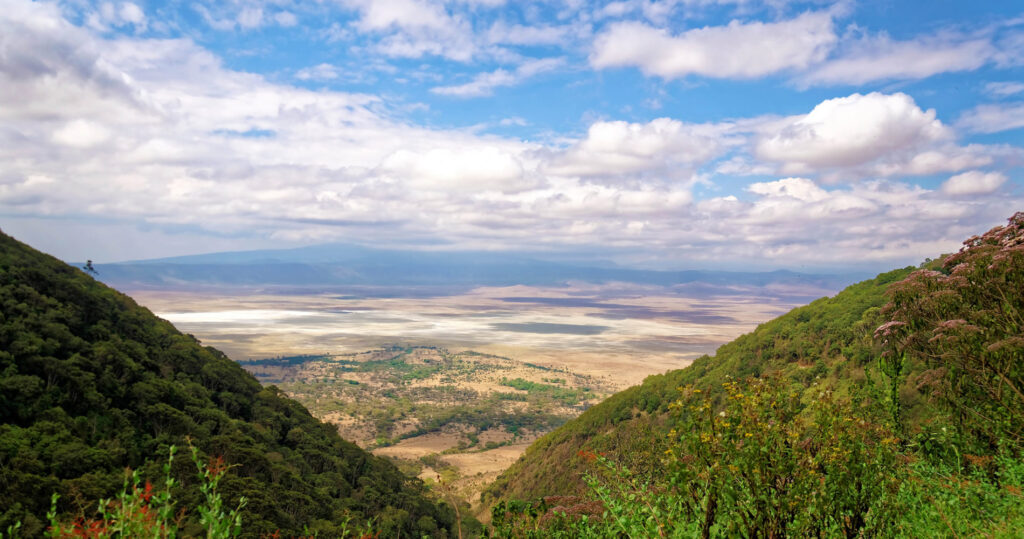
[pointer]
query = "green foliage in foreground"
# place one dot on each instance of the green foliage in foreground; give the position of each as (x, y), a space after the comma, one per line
(965, 326)
(766, 466)
(142, 510)
(856, 450)
(92, 383)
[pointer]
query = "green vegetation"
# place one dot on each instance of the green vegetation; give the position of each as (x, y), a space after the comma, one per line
(91, 383)
(826, 342)
(141, 511)
(757, 470)
(964, 327)
(569, 397)
(894, 409)
(809, 427)
(404, 392)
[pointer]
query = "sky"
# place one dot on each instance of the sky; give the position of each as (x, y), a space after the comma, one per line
(667, 134)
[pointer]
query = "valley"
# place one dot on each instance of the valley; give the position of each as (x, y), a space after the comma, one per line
(454, 386)
(459, 417)
(620, 332)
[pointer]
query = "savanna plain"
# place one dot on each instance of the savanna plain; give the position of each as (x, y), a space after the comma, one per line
(453, 386)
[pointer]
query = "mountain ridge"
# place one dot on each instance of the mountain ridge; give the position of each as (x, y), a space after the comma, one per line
(339, 264)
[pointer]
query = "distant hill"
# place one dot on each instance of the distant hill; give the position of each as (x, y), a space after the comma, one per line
(828, 339)
(340, 265)
(91, 383)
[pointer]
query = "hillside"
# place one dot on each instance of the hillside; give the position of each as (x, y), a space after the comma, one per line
(829, 338)
(91, 383)
(893, 409)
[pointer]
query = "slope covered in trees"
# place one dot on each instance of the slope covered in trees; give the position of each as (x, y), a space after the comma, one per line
(92, 383)
(829, 338)
(893, 409)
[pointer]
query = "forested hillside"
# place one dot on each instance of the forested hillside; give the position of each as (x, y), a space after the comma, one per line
(91, 383)
(893, 409)
(828, 339)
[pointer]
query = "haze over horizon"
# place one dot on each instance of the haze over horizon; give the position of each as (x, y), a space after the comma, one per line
(677, 134)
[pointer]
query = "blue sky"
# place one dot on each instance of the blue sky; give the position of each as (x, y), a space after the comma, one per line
(668, 134)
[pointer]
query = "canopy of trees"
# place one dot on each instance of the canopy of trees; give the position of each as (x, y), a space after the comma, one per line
(91, 383)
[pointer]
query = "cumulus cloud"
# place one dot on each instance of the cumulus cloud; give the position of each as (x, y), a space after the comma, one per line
(159, 134)
(737, 50)
(480, 168)
(798, 188)
(973, 182)
(484, 83)
(867, 221)
(852, 131)
(81, 134)
(663, 147)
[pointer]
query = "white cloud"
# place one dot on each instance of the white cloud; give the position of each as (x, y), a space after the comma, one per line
(158, 134)
(1004, 88)
(664, 147)
(737, 50)
(81, 134)
(484, 83)
(993, 118)
(319, 72)
(880, 58)
(404, 14)
(131, 13)
(214, 21)
(1011, 45)
(798, 188)
(286, 19)
(118, 15)
(480, 168)
(852, 131)
(250, 17)
(243, 16)
(973, 182)
(940, 158)
(517, 34)
(414, 28)
(867, 221)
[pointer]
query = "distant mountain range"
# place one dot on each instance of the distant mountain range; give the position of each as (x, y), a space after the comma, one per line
(348, 265)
